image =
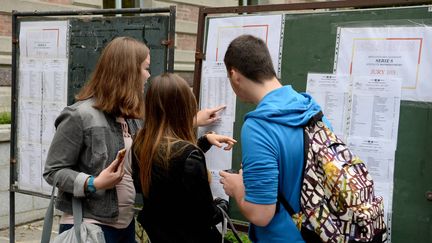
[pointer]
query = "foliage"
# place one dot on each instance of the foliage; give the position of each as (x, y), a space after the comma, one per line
(229, 236)
(5, 118)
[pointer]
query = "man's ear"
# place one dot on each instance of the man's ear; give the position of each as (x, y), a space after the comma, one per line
(234, 74)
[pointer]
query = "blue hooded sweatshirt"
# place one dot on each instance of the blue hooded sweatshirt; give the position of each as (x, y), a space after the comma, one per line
(272, 148)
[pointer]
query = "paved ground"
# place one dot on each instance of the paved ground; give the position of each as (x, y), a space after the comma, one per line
(28, 233)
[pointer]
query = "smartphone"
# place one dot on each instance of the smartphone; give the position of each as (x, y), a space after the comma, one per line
(232, 171)
(121, 154)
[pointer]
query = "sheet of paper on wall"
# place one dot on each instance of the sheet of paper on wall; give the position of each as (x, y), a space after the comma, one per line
(42, 93)
(46, 188)
(216, 90)
(29, 124)
(43, 39)
(30, 172)
(218, 158)
(333, 93)
(375, 107)
(30, 79)
(400, 52)
(379, 157)
(221, 31)
(215, 185)
(55, 80)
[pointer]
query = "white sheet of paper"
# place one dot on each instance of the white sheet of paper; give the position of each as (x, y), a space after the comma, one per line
(42, 92)
(29, 124)
(30, 172)
(375, 107)
(55, 80)
(216, 90)
(46, 188)
(401, 52)
(216, 187)
(30, 79)
(333, 93)
(50, 112)
(43, 39)
(221, 31)
(379, 157)
(218, 158)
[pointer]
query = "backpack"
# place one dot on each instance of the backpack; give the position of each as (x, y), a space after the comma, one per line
(337, 200)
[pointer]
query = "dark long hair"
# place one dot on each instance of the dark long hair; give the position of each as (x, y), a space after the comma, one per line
(170, 108)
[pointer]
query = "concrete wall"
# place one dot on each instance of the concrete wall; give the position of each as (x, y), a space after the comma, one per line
(27, 208)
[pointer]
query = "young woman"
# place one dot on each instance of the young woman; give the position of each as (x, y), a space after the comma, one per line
(83, 153)
(170, 164)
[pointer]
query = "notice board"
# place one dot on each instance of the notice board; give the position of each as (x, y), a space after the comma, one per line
(55, 57)
(308, 44)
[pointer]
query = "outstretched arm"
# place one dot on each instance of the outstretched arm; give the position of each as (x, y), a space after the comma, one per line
(206, 117)
(217, 140)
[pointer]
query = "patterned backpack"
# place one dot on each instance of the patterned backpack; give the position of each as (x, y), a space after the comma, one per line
(337, 196)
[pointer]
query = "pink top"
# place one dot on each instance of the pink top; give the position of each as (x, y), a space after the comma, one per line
(125, 189)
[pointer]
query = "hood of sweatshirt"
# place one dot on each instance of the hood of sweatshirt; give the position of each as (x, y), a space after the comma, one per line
(285, 106)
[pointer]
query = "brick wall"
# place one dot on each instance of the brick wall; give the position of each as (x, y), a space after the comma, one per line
(5, 24)
(187, 12)
(186, 42)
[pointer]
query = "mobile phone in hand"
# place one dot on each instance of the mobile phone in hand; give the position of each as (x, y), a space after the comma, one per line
(232, 171)
(121, 154)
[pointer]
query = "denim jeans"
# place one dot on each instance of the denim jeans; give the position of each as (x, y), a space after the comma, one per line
(112, 235)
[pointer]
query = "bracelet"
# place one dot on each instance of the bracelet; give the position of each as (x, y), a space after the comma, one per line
(90, 185)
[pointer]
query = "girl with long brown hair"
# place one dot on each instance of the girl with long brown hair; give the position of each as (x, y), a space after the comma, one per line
(83, 153)
(171, 167)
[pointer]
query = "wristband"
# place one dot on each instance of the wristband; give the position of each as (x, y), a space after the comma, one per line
(90, 185)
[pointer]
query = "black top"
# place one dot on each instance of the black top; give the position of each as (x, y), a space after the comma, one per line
(180, 205)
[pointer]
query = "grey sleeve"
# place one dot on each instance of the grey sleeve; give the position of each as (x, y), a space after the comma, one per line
(64, 152)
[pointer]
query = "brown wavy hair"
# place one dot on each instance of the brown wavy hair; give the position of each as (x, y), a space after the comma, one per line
(116, 83)
(170, 109)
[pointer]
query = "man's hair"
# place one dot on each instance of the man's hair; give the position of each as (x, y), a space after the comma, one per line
(116, 83)
(170, 109)
(251, 57)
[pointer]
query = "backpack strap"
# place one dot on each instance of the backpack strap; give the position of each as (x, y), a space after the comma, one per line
(286, 205)
(315, 118)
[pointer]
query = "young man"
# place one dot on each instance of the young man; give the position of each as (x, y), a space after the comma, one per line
(272, 142)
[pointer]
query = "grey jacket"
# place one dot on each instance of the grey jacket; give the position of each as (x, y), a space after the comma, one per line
(86, 142)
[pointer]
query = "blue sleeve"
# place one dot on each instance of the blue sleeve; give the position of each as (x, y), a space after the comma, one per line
(260, 164)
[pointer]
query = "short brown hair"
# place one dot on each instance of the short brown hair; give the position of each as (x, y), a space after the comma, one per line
(170, 108)
(250, 56)
(116, 83)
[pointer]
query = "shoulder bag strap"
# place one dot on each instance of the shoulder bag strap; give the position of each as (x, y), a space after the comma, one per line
(78, 217)
(228, 219)
(48, 221)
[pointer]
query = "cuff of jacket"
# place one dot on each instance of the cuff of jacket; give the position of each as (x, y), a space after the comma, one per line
(79, 183)
(203, 143)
